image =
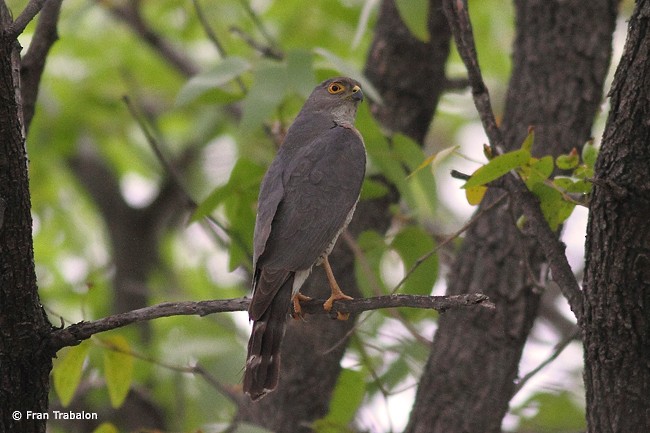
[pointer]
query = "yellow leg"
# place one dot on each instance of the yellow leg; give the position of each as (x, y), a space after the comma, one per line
(297, 309)
(337, 293)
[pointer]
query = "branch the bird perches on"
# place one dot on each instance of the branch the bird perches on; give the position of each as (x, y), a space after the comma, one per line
(74, 334)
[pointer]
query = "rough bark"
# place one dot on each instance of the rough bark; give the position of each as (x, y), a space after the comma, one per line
(616, 325)
(312, 350)
(560, 58)
(24, 367)
(408, 72)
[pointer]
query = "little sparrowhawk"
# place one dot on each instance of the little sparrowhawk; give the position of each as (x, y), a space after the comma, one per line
(306, 200)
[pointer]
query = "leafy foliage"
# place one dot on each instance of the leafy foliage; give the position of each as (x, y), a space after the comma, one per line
(556, 195)
(232, 113)
(67, 372)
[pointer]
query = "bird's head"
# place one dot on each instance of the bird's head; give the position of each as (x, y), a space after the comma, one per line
(338, 97)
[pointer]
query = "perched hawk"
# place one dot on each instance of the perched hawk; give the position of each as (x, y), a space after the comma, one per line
(306, 200)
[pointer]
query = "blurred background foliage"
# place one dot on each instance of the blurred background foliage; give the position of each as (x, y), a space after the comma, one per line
(217, 113)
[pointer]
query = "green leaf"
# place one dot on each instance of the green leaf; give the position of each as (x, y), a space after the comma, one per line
(555, 209)
(553, 413)
(118, 368)
(106, 427)
(222, 73)
(584, 172)
(435, 159)
(419, 190)
(528, 142)
(412, 243)
(300, 71)
(589, 154)
(346, 399)
(379, 152)
(270, 85)
(241, 214)
(67, 371)
(568, 161)
(475, 194)
(245, 176)
(537, 170)
(372, 189)
(415, 14)
(497, 167)
(244, 427)
(238, 197)
(367, 267)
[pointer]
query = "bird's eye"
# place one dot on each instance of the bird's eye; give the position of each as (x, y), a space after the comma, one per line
(335, 88)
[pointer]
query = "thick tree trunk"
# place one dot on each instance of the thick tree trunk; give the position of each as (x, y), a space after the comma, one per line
(24, 368)
(409, 73)
(616, 326)
(312, 350)
(561, 56)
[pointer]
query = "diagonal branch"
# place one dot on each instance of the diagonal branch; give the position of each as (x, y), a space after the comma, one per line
(458, 17)
(33, 62)
(25, 17)
(76, 333)
(131, 15)
(461, 29)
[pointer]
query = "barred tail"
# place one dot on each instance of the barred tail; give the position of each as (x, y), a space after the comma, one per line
(263, 359)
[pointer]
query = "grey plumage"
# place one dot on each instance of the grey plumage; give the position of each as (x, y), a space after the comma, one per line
(306, 199)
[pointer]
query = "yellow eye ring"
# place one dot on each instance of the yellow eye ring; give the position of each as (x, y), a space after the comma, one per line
(335, 88)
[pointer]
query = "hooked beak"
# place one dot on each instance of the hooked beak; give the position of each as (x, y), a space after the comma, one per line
(357, 94)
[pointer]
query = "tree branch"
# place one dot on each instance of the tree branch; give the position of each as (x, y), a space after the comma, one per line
(222, 234)
(461, 29)
(33, 62)
(557, 351)
(554, 250)
(130, 14)
(215, 40)
(76, 333)
(25, 17)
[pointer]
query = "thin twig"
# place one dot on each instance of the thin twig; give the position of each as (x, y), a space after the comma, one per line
(131, 15)
(155, 147)
(196, 370)
(266, 50)
(215, 40)
(376, 287)
(450, 238)
(260, 26)
(74, 334)
(176, 178)
(461, 27)
(559, 348)
(417, 264)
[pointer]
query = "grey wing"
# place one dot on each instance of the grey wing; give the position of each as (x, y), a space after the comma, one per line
(321, 187)
(271, 193)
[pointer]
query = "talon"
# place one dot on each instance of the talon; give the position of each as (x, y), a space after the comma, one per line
(342, 316)
(297, 309)
(337, 293)
(336, 296)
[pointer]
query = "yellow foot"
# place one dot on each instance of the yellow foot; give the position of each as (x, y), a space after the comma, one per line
(337, 293)
(297, 309)
(336, 297)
